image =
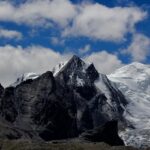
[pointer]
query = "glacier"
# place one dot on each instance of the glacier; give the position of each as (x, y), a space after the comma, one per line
(134, 82)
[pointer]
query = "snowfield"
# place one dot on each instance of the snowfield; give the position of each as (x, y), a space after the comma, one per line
(25, 77)
(134, 82)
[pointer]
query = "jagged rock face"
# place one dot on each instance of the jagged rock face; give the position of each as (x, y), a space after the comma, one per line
(64, 105)
(78, 68)
(79, 76)
(1, 90)
(1, 93)
(96, 104)
(33, 105)
(111, 102)
(107, 133)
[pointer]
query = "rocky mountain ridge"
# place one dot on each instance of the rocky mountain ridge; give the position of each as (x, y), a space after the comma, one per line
(76, 101)
(61, 105)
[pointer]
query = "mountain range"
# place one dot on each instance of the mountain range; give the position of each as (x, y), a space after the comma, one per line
(76, 101)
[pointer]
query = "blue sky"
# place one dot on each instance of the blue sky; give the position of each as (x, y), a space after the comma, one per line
(109, 33)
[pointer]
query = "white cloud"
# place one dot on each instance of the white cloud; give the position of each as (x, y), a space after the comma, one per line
(57, 41)
(14, 61)
(104, 62)
(91, 20)
(100, 22)
(85, 49)
(54, 40)
(38, 12)
(139, 49)
(10, 34)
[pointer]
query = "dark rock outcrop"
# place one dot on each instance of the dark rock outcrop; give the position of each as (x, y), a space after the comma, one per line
(99, 108)
(1, 90)
(35, 106)
(107, 133)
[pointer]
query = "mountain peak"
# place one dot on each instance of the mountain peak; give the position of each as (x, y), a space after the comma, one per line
(77, 72)
(74, 60)
(138, 65)
(75, 57)
(77, 60)
(134, 69)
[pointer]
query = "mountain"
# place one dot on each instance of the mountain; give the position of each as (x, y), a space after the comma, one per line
(88, 84)
(134, 82)
(62, 104)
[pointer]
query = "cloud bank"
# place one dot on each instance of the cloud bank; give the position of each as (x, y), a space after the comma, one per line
(10, 34)
(139, 49)
(104, 62)
(37, 12)
(15, 61)
(103, 23)
(91, 20)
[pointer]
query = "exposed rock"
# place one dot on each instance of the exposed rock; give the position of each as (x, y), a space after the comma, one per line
(99, 105)
(107, 133)
(34, 106)
(1, 90)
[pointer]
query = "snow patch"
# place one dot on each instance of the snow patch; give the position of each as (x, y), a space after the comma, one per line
(100, 84)
(80, 82)
(25, 77)
(58, 68)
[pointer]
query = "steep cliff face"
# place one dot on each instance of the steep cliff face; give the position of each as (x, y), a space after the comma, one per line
(107, 132)
(35, 106)
(98, 99)
(1, 90)
(62, 104)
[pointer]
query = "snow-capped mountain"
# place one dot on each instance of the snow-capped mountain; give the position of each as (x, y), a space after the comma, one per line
(84, 98)
(91, 85)
(134, 82)
(73, 99)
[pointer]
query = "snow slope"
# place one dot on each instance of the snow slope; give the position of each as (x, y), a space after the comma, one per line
(134, 82)
(25, 77)
(58, 67)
